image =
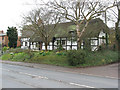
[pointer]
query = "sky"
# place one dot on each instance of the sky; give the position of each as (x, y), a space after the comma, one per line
(11, 12)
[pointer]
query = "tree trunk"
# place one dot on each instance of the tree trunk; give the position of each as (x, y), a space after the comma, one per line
(79, 34)
(46, 46)
(78, 38)
(83, 30)
(29, 44)
(40, 45)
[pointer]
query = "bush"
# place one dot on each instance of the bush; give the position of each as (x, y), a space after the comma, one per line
(101, 58)
(5, 49)
(43, 53)
(21, 57)
(58, 53)
(76, 57)
(60, 48)
(17, 50)
(29, 52)
(61, 53)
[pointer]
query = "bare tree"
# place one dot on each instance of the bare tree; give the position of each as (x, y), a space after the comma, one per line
(43, 23)
(117, 26)
(113, 14)
(79, 11)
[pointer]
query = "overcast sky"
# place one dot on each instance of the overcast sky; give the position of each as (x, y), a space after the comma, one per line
(11, 12)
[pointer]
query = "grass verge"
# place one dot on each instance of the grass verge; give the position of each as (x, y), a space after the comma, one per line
(60, 59)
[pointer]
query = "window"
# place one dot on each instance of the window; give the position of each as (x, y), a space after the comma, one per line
(63, 42)
(25, 43)
(58, 42)
(94, 41)
(31, 43)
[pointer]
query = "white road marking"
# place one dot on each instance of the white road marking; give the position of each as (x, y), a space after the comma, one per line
(80, 73)
(76, 84)
(81, 85)
(41, 77)
(111, 77)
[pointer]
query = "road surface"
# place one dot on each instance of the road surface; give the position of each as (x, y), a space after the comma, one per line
(15, 76)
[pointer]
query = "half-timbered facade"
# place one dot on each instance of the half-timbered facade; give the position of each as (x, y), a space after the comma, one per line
(96, 36)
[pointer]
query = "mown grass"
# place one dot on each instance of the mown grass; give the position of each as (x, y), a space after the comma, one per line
(92, 58)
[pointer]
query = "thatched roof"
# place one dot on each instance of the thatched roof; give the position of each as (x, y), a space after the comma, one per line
(28, 33)
(63, 29)
(36, 39)
(93, 29)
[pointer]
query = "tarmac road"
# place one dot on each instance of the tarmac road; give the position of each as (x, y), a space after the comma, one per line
(15, 76)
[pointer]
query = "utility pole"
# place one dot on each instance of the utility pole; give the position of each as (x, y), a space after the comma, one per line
(118, 30)
(106, 33)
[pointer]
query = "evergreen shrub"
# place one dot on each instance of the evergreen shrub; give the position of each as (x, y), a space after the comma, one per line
(76, 57)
